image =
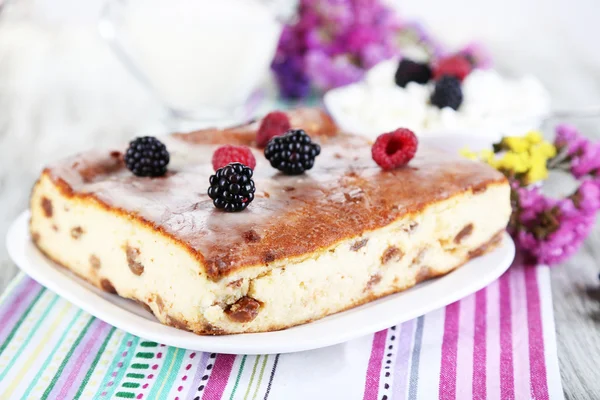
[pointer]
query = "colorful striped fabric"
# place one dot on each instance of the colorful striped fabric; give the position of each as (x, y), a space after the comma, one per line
(496, 344)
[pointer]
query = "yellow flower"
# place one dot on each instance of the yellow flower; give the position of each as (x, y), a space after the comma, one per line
(537, 172)
(539, 157)
(543, 149)
(515, 162)
(516, 143)
(534, 137)
(487, 156)
(525, 156)
(471, 155)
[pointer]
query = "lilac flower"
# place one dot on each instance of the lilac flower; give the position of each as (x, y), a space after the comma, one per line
(568, 138)
(291, 77)
(333, 43)
(326, 71)
(547, 230)
(558, 245)
(586, 160)
(580, 155)
(587, 197)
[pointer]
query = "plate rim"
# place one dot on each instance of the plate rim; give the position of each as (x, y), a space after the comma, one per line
(18, 240)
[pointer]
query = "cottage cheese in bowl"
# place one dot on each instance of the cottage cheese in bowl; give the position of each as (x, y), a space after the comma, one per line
(492, 105)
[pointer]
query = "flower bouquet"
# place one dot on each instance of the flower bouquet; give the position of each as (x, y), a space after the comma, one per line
(548, 230)
(333, 43)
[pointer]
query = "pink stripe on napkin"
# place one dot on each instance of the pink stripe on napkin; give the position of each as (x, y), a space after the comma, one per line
(449, 352)
(82, 359)
(219, 377)
(374, 367)
(507, 383)
(537, 364)
(479, 345)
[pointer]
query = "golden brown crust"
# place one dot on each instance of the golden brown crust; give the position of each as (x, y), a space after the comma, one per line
(177, 323)
(313, 121)
(344, 195)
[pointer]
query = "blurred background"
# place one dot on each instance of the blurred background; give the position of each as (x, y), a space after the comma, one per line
(59, 78)
(81, 73)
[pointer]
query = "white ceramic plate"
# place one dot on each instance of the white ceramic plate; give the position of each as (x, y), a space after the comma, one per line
(338, 328)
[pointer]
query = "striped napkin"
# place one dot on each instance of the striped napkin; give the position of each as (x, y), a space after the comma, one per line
(496, 344)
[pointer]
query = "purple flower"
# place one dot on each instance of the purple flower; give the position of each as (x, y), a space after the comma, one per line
(548, 231)
(586, 160)
(326, 71)
(291, 77)
(558, 245)
(568, 138)
(587, 197)
(579, 154)
(333, 43)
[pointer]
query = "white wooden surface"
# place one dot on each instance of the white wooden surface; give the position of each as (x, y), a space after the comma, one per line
(61, 91)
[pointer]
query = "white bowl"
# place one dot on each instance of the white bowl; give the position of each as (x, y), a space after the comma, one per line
(493, 106)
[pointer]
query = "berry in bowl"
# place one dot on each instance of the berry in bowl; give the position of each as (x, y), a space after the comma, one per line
(444, 97)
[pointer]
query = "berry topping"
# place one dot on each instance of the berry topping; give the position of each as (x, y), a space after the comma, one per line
(394, 149)
(147, 156)
(447, 93)
(411, 71)
(456, 65)
(292, 153)
(275, 123)
(228, 154)
(232, 188)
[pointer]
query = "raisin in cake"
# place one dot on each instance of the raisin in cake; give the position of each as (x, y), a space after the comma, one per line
(342, 234)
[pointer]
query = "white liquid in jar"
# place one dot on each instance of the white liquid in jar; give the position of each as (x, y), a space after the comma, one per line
(201, 54)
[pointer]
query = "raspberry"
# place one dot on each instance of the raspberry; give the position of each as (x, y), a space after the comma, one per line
(410, 71)
(447, 93)
(229, 154)
(275, 123)
(147, 156)
(456, 65)
(394, 149)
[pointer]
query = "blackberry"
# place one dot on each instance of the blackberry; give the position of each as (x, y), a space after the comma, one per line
(147, 156)
(292, 153)
(231, 187)
(411, 71)
(447, 93)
